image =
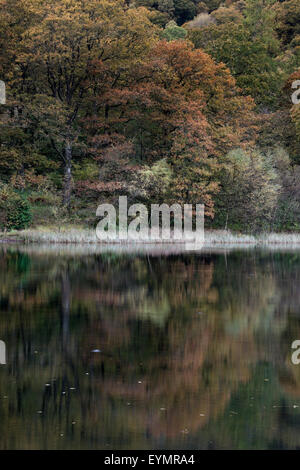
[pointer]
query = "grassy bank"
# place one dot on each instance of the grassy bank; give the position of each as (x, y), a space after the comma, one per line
(78, 235)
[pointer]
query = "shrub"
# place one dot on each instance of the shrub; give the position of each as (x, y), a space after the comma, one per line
(249, 191)
(287, 215)
(15, 211)
(172, 32)
(152, 183)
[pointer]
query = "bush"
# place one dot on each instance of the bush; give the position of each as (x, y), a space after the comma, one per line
(15, 211)
(172, 32)
(287, 215)
(249, 192)
(151, 185)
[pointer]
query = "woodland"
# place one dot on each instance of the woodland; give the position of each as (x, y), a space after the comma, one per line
(159, 100)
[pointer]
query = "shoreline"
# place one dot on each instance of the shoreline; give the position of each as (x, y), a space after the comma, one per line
(80, 236)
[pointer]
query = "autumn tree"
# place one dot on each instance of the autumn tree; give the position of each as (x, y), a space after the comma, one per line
(248, 45)
(18, 150)
(178, 105)
(56, 55)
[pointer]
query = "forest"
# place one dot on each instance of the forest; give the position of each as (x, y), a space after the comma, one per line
(168, 101)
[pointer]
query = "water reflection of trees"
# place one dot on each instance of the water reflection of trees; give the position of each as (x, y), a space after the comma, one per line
(180, 338)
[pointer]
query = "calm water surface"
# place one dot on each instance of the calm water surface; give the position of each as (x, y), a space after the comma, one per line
(136, 351)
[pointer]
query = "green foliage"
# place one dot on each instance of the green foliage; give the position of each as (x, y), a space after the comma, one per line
(180, 10)
(249, 190)
(249, 47)
(288, 20)
(185, 10)
(15, 213)
(173, 32)
(212, 4)
(152, 183)
(287, 214)
(85, 169)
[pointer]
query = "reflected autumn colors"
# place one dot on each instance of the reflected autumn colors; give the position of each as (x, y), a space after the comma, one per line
(131, 351)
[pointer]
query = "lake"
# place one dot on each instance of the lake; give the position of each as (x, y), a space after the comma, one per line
(153, 350)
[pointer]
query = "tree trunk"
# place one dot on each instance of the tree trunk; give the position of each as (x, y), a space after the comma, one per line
(226, 223)
(67, 177)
